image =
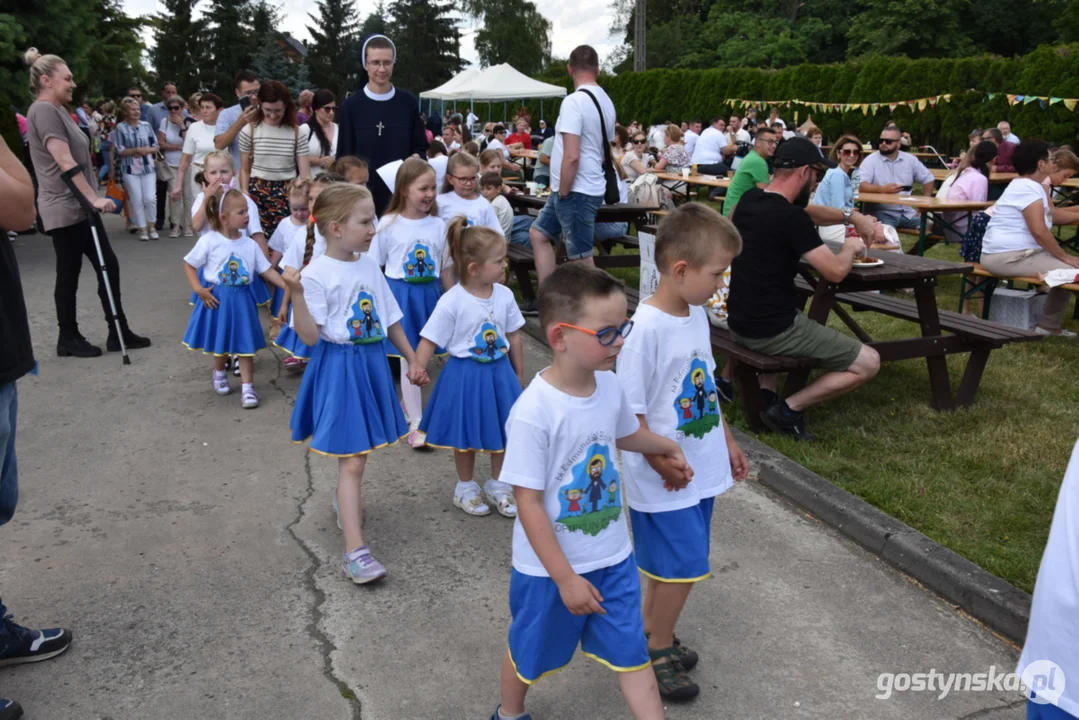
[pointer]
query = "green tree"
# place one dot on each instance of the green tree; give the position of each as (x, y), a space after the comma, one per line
(915, 28)
(179, 45)
(511, 31)
(428, 43)
(229, 42)
(274, 60)
(114, 59)
(333, 54)
(375, 24)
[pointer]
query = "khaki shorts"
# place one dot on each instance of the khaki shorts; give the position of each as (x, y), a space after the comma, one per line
(806, 338)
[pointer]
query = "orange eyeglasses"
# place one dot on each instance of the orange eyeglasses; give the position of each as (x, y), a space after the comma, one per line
(605, 336)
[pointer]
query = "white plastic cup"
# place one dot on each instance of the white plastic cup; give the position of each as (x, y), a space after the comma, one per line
(531, 187)
(685, 173)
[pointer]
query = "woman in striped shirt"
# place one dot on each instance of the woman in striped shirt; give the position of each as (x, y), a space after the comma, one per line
(273, 151)
(136, 144)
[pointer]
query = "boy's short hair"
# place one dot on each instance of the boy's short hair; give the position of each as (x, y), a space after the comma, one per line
(491, 179)
(564, 294)
(692, 233)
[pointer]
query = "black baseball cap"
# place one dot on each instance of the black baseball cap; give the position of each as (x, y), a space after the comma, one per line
(799, 151)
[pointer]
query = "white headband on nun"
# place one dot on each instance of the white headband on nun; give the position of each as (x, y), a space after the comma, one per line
(363, 52)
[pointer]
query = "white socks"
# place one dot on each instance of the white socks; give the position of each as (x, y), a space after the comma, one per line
(465, 489)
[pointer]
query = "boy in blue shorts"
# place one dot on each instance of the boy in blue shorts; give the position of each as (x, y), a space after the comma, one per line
(667, 370)
(574, 577)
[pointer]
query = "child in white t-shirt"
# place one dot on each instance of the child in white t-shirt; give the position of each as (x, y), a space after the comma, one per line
(289, 230)
(346, 406)
(491, 189)
(411, 247)
(221, 269)
(461, 195)
(478, 323)
(306, 245)
(667, 370)
(1051, 651)
(574, 579)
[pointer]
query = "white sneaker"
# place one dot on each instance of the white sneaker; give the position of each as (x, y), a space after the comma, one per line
(221, 383)
(250, 398)
(1063, 333)
(471, 502)
(154, 235)
(501, 495)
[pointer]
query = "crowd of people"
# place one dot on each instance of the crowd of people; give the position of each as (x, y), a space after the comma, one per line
(370, 270)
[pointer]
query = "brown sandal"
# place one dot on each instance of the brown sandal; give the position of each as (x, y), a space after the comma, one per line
(674, 683)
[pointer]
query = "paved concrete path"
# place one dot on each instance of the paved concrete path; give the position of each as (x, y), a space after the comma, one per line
(193, 551)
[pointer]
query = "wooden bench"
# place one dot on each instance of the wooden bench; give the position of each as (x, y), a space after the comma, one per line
(522, 262)
(988, 283)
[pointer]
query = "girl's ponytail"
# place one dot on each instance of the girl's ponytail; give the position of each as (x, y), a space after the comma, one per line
(455, 232)
(309, 246)
(213, 212)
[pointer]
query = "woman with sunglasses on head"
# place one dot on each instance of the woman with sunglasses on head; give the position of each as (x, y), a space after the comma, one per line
(637, 161)
(170, 137)
(322, 148)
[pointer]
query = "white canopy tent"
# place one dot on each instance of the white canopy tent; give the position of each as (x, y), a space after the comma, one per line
(498, 82)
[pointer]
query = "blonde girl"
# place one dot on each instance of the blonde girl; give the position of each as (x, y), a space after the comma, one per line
(305, 247)
(410, 245)
(289, 230)
(220, 269)
(460, 194)
(478, 321)
(346, 406)
(353, 169)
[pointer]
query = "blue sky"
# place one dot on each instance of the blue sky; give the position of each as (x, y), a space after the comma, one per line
(575, 22)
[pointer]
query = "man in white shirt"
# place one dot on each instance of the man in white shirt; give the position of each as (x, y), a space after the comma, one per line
(738, 130)
(712, 150)
(690, 137)
(577, 180)
(1005, 128)
(471, 120)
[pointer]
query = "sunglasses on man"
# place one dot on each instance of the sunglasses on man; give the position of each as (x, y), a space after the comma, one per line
(888, 141)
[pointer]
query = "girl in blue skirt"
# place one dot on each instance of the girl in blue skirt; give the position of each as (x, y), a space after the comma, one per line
(410, 245)
(306, 246)
(479, 323)
(347, 405)
(221, 269)
(293, 228)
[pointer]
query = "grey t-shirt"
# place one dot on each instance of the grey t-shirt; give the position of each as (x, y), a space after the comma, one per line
(57, 206)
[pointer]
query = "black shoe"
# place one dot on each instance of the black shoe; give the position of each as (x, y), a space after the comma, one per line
(778, 421)
(768, 398)
(20, 645)
(9, 709)
(76, 346)
(725, 389)
(131, 340)
(529, 307)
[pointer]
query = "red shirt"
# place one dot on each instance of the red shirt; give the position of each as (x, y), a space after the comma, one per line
(1003, 161)
(523, 138)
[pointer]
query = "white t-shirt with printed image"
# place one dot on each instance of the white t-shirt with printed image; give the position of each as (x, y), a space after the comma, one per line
(565, 447)
(287, 232)
(254, 225)
(477, 209)
(471, 327)
(411, 250)
(667, 370)
(227, 262)
(349, 301)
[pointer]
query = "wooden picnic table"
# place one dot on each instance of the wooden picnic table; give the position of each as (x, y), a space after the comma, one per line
(927, 207)
(708, 180)
(998, 177)
(619, 213)
(967, 333)
(529, 154)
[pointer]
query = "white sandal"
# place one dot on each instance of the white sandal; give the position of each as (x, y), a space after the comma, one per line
(250, 399)
(501, 496)
(472, 504)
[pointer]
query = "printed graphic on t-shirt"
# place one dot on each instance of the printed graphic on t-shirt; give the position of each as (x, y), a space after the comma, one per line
(697, 405)
(419, 266)
(364, 326)
(490, 345)
(591, 500)
(233, 272)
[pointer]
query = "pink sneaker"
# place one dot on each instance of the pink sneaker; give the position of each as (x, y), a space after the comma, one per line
(295, 364)
(417, 440)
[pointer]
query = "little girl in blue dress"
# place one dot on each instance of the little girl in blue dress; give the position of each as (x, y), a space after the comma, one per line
(347, 406)
(478, 321)
(221, 269)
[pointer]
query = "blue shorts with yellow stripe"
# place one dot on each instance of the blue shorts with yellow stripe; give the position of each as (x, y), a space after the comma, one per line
(673, 546)
(544, 634)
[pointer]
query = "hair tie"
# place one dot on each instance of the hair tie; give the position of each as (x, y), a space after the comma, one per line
(469, 222)
(311, 220)
(363, 52)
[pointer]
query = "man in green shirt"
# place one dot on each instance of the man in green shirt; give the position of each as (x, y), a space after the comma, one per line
(753, 170)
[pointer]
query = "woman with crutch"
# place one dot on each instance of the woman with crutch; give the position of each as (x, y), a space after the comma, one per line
(56, 147)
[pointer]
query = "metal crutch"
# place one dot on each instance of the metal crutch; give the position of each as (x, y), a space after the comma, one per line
(91, 216)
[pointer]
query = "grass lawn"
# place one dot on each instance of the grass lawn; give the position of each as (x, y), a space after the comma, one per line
(982, 481)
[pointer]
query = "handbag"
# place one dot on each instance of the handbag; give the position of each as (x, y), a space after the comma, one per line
(610, 194)
(648, 191)
(116, 193)
(165, 172)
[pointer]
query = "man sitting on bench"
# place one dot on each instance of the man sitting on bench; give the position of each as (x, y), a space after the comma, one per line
(777, 233)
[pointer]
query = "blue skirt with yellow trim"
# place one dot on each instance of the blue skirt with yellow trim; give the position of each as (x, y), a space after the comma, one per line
(417, 302)
(232, 328)
(261, 290)
(470, 404)
(347, 404)
(290, 342)
(276, 300)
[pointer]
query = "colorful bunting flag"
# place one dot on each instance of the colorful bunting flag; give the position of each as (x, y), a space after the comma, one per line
(1070, 103)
